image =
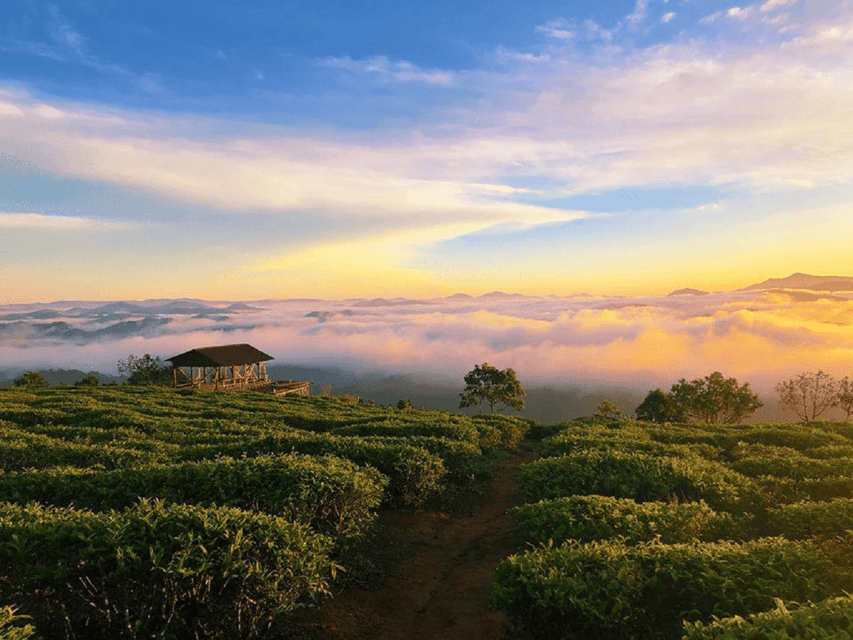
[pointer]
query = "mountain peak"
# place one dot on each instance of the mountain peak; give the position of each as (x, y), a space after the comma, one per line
(805, 281)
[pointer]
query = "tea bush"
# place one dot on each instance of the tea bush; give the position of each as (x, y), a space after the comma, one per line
(639, 476)
(589, 518)
(830, 619)
(612, 591)
(331, 495)
(157, 570)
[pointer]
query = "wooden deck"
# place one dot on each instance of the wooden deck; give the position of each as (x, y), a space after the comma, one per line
(300, 387)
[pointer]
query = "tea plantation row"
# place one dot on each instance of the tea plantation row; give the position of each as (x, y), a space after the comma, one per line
(141, 513)
(658, 532)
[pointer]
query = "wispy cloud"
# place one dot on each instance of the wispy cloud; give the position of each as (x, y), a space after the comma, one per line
(58, 222)
(396, 70)
(560, 29)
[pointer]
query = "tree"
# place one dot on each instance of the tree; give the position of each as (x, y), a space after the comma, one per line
(809, 394)
(845, 397)
(90, 380)
(145, 370)
(493, 386)
(713, 399)
(30, 379)
(658, 407)
(608, 412)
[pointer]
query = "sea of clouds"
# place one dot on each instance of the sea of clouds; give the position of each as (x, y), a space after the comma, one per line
(634, 342)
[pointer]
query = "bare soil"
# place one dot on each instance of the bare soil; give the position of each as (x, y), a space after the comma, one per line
(428, 574)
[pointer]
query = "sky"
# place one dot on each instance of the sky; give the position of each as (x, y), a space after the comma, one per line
(259, 150)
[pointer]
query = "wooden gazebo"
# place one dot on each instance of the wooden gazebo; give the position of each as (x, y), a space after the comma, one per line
(230, 367)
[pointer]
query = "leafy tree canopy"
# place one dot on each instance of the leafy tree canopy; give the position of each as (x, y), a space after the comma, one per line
(658, 407)
(493, 386)
(607, 411)
(145, 370)
(30, 379)
(713, 399)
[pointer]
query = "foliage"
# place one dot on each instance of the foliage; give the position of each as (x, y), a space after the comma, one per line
(158, 571)
(90, 380)
(713, 399)
(830, 619)
(639, 476)
(493, 386)
(30, 379)
(145, 370)
(809, 394)
(658, 406)
(611, 591)
(331, 495)
(13, 626)
(607, 412)
(595, 517)
(845, 396)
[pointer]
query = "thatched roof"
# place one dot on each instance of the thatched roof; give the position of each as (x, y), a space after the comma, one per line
(224, 356)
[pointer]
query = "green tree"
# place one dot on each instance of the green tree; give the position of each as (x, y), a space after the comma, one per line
(494, 387)
(845, 396)
(608, 412)
(658, 406)
(713, 399)
(30, 379)
(90, 380)
(809, 394)
(145, 370)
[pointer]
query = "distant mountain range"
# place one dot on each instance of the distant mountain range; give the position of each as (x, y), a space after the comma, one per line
(804, 281)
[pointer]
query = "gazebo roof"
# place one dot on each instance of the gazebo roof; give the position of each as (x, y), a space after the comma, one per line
(224, 356)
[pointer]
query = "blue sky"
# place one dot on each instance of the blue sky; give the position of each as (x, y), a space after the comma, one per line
(272, 149)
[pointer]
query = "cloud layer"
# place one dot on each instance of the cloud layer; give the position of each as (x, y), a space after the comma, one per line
(758, 336)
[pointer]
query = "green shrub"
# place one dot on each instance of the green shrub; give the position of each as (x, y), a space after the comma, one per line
(589, 518)
(157, 571)
(612, 591)
(331, 495)
(830, 619)
(639, 476)
(13, 626)
(801, 520)
(414, 474)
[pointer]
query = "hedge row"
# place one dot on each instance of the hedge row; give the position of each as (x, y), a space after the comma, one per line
(639, 476)
(157, 570)
(331, 495)
(590, 518)
(830, 619)
(414, 474)
(612, 591)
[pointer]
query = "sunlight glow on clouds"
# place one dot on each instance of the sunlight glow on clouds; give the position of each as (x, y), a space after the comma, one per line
(760, 336)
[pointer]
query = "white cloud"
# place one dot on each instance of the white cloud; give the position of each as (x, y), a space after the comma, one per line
(667, 17)
(739, 13)
(640, 13)
(10, 220)
(559, 29)
(770, 5)
(400, 70)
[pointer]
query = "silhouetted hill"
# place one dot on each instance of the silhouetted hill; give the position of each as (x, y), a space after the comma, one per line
(688, 292)
(805, 281)
(56, 376)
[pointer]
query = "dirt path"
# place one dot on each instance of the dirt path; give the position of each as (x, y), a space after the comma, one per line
(441, 585)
